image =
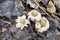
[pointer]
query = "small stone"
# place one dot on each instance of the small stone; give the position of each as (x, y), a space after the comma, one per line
(4, 29)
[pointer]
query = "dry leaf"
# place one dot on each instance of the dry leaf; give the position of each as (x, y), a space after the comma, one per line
(51, 8)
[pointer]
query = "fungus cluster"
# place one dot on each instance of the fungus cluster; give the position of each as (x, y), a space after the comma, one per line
(41, 23)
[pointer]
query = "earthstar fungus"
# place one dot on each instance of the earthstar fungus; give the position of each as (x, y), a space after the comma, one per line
(22, 22)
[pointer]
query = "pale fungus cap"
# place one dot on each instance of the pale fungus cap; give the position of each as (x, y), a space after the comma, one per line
(42, 25)
(34, 15)
(22, 22)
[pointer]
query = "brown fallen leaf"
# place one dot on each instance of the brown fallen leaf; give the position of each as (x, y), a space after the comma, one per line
(51, 8)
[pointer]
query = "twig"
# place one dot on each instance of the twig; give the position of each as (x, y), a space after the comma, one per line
(6, 22)
(42, 8)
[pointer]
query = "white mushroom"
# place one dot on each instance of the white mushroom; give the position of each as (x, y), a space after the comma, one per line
(42, 25)
(34, 15)
(22, 22)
